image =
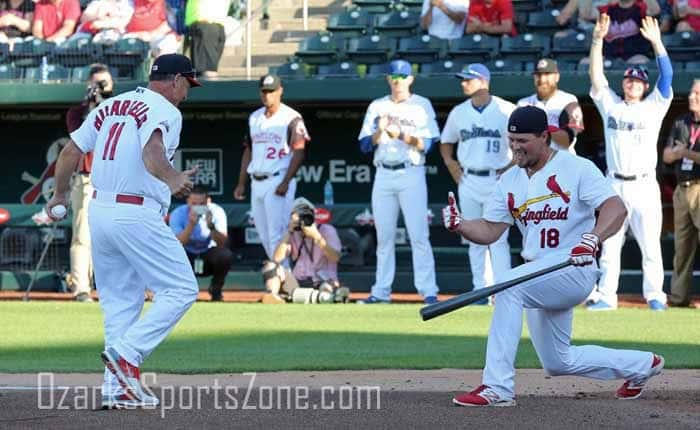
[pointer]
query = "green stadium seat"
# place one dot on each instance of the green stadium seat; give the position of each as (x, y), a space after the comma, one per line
(8, 72)
(421, 48)
(692, 66)
(77, 51)
(372, 49)
(353, 23)
(363, 3)
(55, 73)
(411, 3)
(397, 23)
(126, 52)
(543, 22)
(504, 66)
(684, 46)
(318, 49)
(442, 68)
(30, 52)
(293, 69)
(616, 64)
(473, 48)
(567, 66)
(525, 47)
(527, 5)
(4, 51)
(344, 70)
(572, 47)
(375, 71)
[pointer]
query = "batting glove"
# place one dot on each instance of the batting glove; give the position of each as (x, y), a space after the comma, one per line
(584, 253)
(450, 214)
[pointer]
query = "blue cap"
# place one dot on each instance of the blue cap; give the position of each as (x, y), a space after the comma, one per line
(637, 72)
(475, 71)
(400, 67)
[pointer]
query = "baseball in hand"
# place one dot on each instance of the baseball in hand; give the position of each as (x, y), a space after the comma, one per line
(58, 211)
(393, 130)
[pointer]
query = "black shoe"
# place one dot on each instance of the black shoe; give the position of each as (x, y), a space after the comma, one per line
(216, 295)
(265, 17)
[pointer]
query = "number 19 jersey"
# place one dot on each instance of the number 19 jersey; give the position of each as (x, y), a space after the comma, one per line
(117, 131)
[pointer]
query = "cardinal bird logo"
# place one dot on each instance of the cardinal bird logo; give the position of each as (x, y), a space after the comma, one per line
(511, 206)
(554, 187)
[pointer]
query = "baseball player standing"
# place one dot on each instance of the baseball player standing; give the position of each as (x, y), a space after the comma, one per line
(272, 157)
(552, 197)
(480, 126)
(134, 137)
(564, 114)
(632, 127)
(400, 129)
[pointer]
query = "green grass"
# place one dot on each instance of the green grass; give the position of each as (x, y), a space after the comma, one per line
(67, 337)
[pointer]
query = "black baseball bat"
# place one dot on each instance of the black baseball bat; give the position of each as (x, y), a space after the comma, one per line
(431, 311)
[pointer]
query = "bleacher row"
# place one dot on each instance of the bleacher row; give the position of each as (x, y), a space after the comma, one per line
(361, 40)
(36, 60)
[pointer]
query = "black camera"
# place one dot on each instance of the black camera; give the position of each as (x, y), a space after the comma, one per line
(96, 91)
(306, 217)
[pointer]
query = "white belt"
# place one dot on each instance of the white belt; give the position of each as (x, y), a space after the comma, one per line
(129, 199)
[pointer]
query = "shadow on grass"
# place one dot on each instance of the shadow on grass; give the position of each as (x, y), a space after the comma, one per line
(307, 350)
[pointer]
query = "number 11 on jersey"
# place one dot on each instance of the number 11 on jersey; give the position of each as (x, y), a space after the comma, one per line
(115, 131)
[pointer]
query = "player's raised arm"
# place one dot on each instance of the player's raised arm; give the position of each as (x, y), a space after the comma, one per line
(476, 230)
(180, 183)
(595, 69)
(650, 30)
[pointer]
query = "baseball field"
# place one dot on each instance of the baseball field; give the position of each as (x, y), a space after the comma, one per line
(55, 346)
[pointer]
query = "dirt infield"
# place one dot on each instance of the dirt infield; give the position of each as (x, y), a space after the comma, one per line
(344, 399)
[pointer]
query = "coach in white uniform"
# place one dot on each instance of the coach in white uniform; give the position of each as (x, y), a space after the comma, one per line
(134, 137)
(551, 197)
(271, 157)
(400, 128)
(632, 127)
(480, 128)
(564, 114)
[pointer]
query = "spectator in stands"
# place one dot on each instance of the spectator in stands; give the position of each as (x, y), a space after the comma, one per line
(585, 11)
(205, 21)
(100, 87)
(202, 228)
(15, 19)
(444, 19)
(55, 20)
(150, 24)
(105, 19)
(666, 18)
(624, 39)
(492, 17)
(314, 249)
(688, 12)
(683, 152)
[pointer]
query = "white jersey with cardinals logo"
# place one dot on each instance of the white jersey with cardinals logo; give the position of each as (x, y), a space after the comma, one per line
(553, 207)
(273, 139)
(117, 131)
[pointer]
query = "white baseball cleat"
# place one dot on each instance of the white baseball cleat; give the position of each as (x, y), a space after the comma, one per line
(123, 401)
(482, 396)
(632, 389)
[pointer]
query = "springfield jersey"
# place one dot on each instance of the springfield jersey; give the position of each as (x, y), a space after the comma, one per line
(414, 115)
(482, 135)
(117, 131)
(560, 102)
(273, 139)
(553, 207)
(631, 130)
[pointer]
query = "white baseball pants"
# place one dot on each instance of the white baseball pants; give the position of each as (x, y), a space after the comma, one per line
(270, 211)
(133, 249)
(643, 201)
(484, 260)
(548, 301)
(405, 189)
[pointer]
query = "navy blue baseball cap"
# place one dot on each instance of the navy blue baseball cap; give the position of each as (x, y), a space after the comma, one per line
(175, 64)
(528, 119)
(475, 71)
(637, 72)
(400, 67)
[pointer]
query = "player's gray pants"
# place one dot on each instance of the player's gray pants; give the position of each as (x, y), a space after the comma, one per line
(405, 189)
(548, 301)
(133, 249)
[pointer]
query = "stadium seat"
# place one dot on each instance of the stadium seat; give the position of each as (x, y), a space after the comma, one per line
(397, 23)
(421, 48)
(126, 52)
(525, 47)
(55, 73)
(616, 64)
(543, 22)
(377, 70)
(77, 51)
(471, 48)
(30, 52)
(692, 66)
(683, 46)
(293, 69)
(343, 69)
(9, 72)
(363, 3)
(572, 47)
(411, 3)
(442, 68)
(353, 23)
(318, 49)
(4, 51)
(372, 49)
(527, 5)
(502, 66)
(567, 66)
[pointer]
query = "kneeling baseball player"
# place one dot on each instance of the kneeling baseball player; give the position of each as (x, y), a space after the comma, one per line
(313, 247)
(552, 198)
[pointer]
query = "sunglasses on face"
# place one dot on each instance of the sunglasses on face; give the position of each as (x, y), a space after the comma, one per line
(398, 77)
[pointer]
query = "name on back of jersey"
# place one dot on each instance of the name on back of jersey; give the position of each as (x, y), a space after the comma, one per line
(134, 108)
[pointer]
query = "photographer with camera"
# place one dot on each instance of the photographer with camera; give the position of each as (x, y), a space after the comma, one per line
(313, 247)
(202, 228)
(100, 86)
